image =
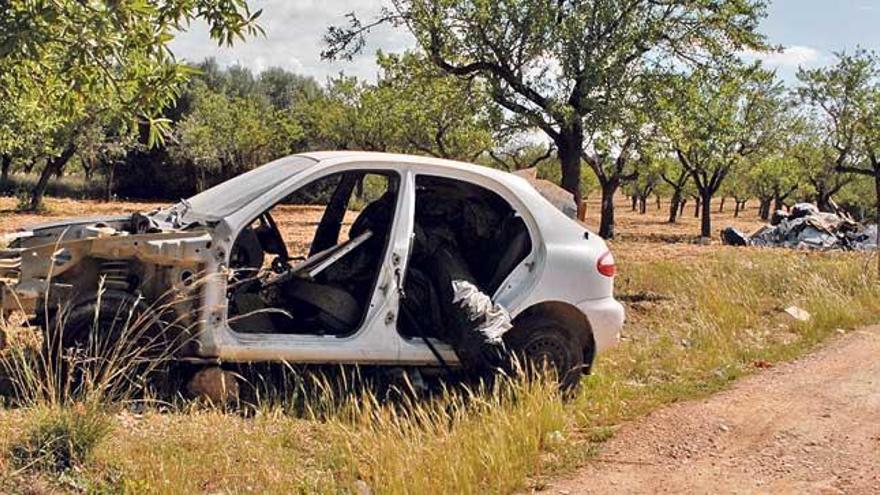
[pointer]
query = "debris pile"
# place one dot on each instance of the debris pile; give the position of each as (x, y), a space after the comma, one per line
(805, 227)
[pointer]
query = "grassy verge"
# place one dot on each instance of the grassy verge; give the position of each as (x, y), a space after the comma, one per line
(694, 326)
(718, 318)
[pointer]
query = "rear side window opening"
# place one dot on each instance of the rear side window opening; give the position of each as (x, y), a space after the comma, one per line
(461, 231)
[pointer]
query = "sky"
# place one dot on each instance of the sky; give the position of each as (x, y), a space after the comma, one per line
(810, 31)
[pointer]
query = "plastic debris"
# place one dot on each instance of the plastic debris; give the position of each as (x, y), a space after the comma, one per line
(491, 319)
(797, 313)
(732, 237)
(801, 210)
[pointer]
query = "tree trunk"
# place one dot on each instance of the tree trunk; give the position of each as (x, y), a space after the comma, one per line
(606, 224)
(721, 208)
(697, 206)
(53, 167)
(674, 206)
(201, 179)
(359, 188)
(706, 223)
(764, 208)
(5, 165)
(570, 147)
(681, 206)
(823, 201)
(643, 206)
(635, 201)
(657, 198)
(109, 183)
(778, 203)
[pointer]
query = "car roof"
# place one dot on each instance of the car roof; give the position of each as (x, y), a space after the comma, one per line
(391, 158)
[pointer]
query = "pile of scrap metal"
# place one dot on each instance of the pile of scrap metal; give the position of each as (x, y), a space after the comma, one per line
(805, 227)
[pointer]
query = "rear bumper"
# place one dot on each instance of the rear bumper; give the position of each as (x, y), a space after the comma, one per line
(606, 318)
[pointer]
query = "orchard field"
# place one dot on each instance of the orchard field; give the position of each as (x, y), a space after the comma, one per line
(699, 317)
(680, 102)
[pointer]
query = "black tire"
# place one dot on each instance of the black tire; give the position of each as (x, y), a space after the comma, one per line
(540, 343)
(100, 333)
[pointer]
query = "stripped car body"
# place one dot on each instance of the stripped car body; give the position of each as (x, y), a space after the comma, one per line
(556, 275)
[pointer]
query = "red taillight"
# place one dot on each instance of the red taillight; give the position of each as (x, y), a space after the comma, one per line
(606, 265)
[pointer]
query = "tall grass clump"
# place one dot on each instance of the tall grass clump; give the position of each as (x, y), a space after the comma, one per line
(462, 441)
(60, 438)
(70, 393)
(127, 342)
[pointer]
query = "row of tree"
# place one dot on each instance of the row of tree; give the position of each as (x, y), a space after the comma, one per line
(608, 80)
(224, 121)
(646, 96)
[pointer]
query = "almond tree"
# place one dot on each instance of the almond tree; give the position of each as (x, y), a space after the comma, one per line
(774, 179)
(551, 63)
(641, 188)
(816, 160)
(677, 178)
(222, 135)
(714, 121)
(413, 107)
(79, 63)
(848, 95)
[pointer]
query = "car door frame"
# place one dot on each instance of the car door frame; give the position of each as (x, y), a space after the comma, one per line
(376, 340)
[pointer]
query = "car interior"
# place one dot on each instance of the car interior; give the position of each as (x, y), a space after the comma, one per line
(292, 270)
(309, 264)
(462, 232)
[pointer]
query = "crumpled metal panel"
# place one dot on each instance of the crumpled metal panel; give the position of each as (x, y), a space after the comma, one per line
(808, 228)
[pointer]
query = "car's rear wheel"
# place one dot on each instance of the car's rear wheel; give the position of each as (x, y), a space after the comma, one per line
(541, 345)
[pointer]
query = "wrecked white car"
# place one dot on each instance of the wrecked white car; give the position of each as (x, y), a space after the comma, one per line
(394, 260)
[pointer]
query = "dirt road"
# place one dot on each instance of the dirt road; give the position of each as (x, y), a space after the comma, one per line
(812, 426)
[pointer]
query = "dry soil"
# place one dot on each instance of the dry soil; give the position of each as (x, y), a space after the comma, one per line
(811, 426)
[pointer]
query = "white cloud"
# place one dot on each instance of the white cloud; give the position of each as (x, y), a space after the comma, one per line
(293, 39)
(790, 57)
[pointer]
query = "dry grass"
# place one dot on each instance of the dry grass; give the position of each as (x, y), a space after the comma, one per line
(699, 317)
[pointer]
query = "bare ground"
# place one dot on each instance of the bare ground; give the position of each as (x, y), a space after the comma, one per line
(812, 426)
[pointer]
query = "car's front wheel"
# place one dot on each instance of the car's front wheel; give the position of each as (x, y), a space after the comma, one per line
(541, 345)
(110, 343)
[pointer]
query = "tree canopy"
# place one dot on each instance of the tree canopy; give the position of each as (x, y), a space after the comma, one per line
(67, 64)
(715, 120)
(413, 107)
(551, 63)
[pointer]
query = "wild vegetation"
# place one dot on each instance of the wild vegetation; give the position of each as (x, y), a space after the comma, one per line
(166, 129)
(698, 319)
(648, 99)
